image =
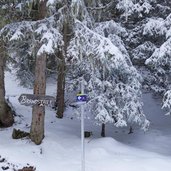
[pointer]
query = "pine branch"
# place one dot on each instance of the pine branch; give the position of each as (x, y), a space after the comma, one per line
(102, 7)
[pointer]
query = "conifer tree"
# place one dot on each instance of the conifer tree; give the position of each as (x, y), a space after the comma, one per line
(112, 83)
(6, 114)
(38, 112)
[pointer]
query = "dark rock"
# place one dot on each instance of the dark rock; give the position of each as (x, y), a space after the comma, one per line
(2, 160)
(18, 134)
(87, 134)
(5, 167)
(30, 168)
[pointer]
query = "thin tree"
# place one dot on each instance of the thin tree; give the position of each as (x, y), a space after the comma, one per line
(62, 53)
(6, 116)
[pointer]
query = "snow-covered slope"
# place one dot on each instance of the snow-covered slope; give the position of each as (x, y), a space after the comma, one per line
(61, 147)
(158, 137)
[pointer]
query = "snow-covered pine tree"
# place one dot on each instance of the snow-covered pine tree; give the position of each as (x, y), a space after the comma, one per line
(147, 41)
(160, 60)
(112, 83)
(6, 114)
(15, 11)
(66, 30)
(44, 37)
(133, 9)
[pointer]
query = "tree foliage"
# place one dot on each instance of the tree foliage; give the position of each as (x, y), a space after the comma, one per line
(98, 52)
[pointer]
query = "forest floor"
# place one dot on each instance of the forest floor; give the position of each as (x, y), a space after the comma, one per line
(61, 147)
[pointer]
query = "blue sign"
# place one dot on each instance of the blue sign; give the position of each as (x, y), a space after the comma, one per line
(81, 98)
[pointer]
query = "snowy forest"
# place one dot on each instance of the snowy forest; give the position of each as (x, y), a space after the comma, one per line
(114, 53)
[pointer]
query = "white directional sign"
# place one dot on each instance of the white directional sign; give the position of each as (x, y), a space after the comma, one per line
(30, 100)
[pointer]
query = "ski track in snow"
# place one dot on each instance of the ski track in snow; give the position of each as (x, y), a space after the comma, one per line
(61, 147)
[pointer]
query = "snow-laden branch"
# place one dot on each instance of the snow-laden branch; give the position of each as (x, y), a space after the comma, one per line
(161, 56)
(130, 7)
(167, 101)
(101, 7)
(44, 33)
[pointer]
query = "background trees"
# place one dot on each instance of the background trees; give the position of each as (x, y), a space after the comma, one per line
(6, 115)
(123, 45)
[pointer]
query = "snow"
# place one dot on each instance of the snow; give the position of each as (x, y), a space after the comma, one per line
(50, 2)
(130, 6)
(49, 40)
(61, 147)
(17, 35)
(157, 139)
(167, 101)
(155, 27)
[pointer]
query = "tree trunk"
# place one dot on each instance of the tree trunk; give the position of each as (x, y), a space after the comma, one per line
(130, 130)
(103, 130)
(39, 10)
(38, 112)
(60, 100)
(6, 116)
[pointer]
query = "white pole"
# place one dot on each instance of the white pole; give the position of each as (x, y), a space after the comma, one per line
(82, 139)
(82, 123)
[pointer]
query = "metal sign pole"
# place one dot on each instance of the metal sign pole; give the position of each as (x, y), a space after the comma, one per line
(81, 100)
(82, 139)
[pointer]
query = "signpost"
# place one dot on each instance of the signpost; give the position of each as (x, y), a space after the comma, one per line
(31, 99)
(81, 99)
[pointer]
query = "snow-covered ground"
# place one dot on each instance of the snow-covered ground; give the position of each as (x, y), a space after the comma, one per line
(61, 147)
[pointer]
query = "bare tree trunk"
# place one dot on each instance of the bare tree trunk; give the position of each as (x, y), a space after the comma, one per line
(38, 112)
(6, 116)
(60, 100)
(103, 130)
(39, 9)
(42, 9)
(130, 130)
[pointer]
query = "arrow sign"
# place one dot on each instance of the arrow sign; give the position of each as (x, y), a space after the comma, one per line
(30, 100)
(81, 97)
